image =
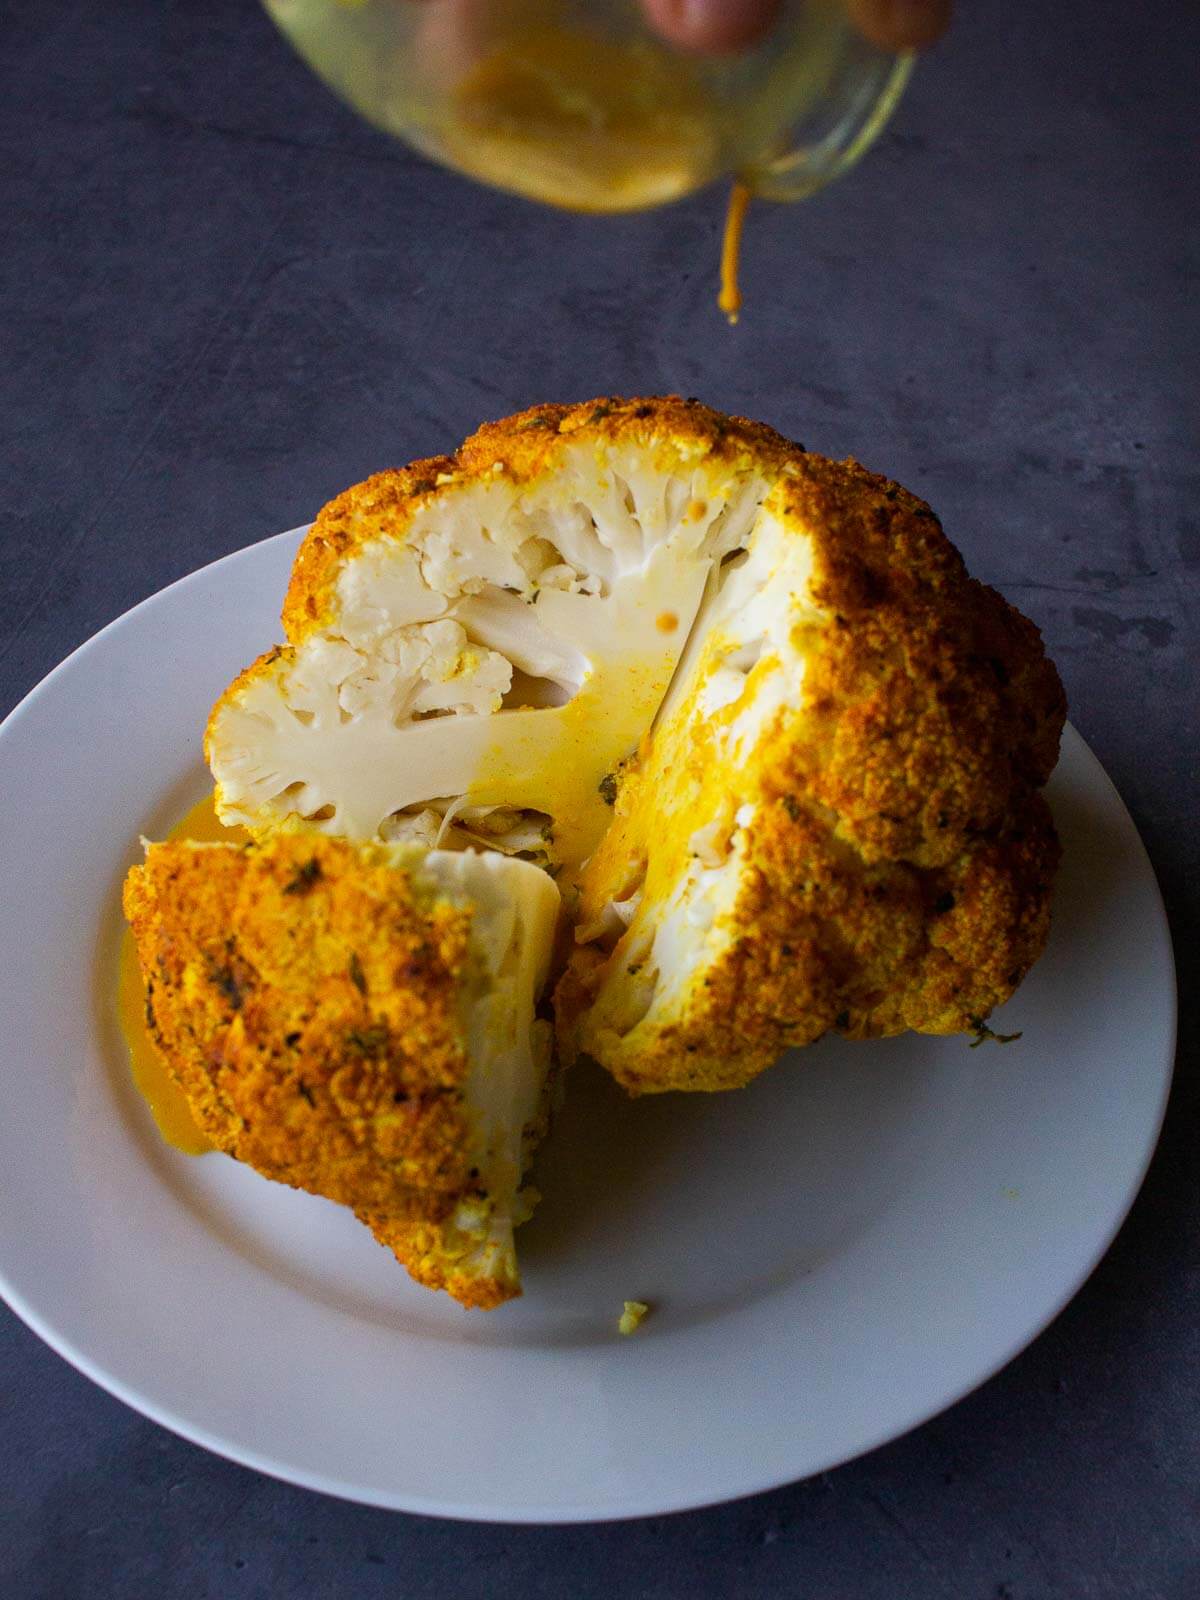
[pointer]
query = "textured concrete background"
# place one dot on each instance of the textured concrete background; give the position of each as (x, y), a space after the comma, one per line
(223, 299)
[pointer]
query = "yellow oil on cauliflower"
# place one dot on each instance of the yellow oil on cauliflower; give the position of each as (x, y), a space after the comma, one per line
(780, 753)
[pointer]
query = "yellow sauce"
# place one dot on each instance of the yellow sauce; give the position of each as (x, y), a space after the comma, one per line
(687, 751)
(562, 776)
(584, 122)
(561, 761)
(730, 298)
(155, 1084)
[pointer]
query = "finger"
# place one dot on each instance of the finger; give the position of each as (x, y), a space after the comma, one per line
(715, 27)
(901, 24)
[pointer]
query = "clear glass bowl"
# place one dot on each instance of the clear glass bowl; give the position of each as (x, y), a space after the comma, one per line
(579, 104)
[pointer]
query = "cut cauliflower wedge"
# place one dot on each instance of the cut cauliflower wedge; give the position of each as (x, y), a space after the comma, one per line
(835, 823)
(359, 1021)
(475, 642)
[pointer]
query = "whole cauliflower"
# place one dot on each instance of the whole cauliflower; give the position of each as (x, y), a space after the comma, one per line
(781, 754)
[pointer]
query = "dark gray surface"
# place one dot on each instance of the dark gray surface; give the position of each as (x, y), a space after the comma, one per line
(223, 300)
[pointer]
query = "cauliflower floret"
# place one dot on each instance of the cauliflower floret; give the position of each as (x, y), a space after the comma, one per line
(359, 1022)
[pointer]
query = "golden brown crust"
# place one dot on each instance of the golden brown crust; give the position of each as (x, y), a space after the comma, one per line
(304, 999)
(521, 447)
(866, 951)
(930, 704)
(231, 695)
(383, 504)
(425, 1249)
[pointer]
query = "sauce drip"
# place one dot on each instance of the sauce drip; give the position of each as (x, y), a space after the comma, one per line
(730, 298)
(154, 1083)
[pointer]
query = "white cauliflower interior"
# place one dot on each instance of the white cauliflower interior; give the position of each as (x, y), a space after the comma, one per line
(744, 664)
(514, 907)
(481, 677)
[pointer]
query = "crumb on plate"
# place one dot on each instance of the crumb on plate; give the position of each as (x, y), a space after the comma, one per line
(633, 1316)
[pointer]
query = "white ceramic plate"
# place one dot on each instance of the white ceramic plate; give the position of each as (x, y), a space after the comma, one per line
(834, 1254)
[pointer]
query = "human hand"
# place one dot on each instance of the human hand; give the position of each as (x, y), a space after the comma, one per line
(716, 27)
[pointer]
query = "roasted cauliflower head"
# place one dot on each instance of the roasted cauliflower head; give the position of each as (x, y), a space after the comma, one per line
(782, 752)
(781, 755)
(359, 1021)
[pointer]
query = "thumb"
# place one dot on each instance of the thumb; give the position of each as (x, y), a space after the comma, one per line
(715, 27)
(900, 24)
